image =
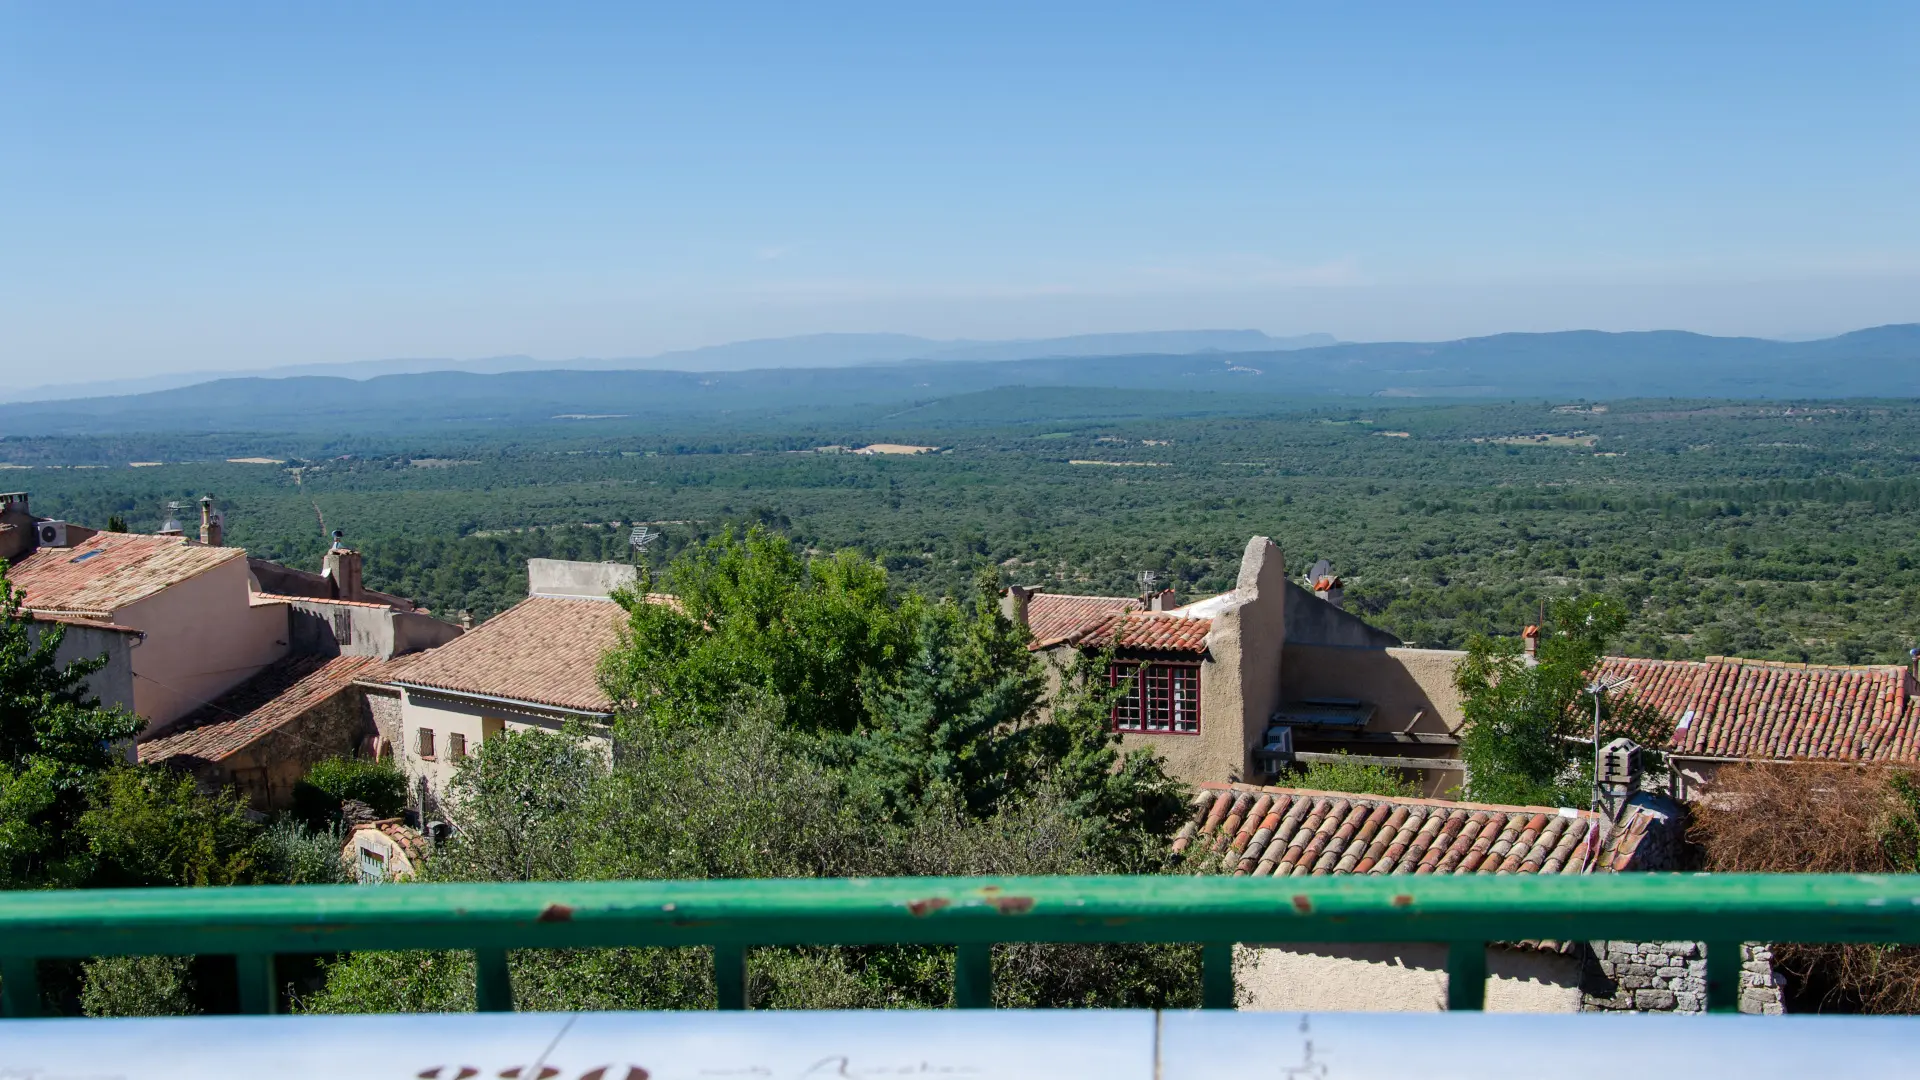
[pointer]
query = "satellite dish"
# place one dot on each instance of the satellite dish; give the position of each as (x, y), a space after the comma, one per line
(1321, 569)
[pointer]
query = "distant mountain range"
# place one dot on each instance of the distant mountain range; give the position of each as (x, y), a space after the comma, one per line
(1880, 362)
(807, 351)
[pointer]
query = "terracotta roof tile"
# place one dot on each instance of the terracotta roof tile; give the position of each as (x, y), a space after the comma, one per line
(81, 620)
(1147, 630)
(278, 598)
(109, 571)
(1298, 833)
(545, 650)
(1053, 619)
(1734, 708)
(282, 693)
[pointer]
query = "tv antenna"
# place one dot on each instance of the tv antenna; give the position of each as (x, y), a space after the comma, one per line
(1148, 579)
(1602, 686)
(639, 538)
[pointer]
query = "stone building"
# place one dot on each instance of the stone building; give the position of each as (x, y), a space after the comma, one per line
(535, 665)
(1232, 686)
(1238, 685)
(1267, 832)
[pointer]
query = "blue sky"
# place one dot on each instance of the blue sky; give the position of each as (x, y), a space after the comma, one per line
(206, 186)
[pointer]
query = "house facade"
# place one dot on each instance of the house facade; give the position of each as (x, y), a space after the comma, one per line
(1232, 686)
(535, 665)
(1279, 833)
(1239, 685)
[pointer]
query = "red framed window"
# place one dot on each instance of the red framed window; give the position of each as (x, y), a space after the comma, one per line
(1161, 697)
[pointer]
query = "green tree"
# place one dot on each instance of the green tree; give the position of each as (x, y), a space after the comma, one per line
(55, 738)
(1525, 739)
(752, 613)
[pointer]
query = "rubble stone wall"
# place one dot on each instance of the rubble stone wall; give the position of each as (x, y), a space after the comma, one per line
(1671, 976)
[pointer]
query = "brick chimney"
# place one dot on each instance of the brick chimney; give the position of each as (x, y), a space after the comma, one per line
(1530, 637)
(213, 524)
(1161, 601)
(342, 564)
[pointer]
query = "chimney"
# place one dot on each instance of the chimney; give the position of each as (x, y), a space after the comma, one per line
(16, 525)
(213, 525)
(1530, 637)
(1332, 590)
(1161, 601)
(343, 566)
(1013, 604)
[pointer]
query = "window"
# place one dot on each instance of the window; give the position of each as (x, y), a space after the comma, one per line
(426, 744)
(373, 866)
(1160, 697)
(457, 745)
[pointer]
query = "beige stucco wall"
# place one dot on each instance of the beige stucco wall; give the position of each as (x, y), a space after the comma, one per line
(112, 685)
(202, 639)
(1239, 676)
(447, 715)
(1397, 977)
(1410, 689)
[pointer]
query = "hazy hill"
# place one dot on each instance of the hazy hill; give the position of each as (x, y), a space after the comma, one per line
(1881, 362)
(807, 351)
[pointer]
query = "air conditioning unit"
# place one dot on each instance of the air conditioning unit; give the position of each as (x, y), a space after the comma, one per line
(51, 533)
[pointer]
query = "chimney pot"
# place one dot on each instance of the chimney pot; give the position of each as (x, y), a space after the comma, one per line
(342, 564)
(212, 524)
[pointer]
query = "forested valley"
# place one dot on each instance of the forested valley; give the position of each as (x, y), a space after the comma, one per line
(1767, 529)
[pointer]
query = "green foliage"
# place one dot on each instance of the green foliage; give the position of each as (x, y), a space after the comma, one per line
(757, 615)
(379, 784)
(1357, 777)
(930, 757)
(148, 827)
(1900, 836)
(54, 739)
(138, 986)
(1523, 720)
(289, 852)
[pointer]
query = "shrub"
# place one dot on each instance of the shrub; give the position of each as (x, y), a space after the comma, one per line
(1356, 777)
(379, 784)
(1816, 818)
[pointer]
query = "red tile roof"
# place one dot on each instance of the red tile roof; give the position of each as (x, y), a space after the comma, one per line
(1147, 630)
(282, 693)
(1292, 832)
(81, 620)
(109, 571)
(1733, 708)
(1053, 619)
(545, 650)
(279, 598)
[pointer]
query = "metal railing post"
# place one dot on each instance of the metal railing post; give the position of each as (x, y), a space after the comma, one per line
(1216, 976)
(19, 987)
(1467, 976)
(730, 977)
(258, 992)
(1723, 976)
(973, 977)
(492, 982)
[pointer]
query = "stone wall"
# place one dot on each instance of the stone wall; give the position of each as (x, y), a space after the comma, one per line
(1671, 976)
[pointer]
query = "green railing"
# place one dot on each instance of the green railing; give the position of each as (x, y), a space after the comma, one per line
(972, 914)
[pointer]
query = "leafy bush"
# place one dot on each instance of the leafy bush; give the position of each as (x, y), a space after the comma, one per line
(379, 784)
(138, 986)
(1359, 778)
(291, 853)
